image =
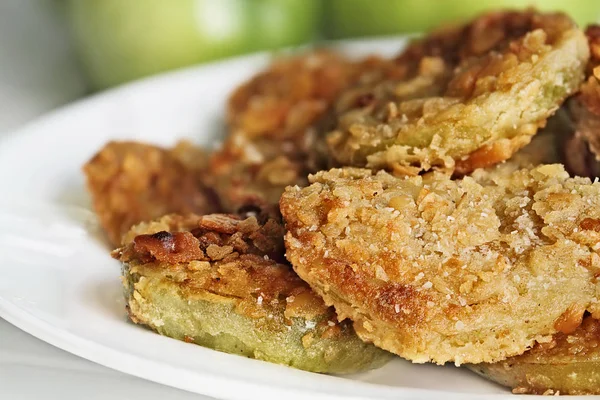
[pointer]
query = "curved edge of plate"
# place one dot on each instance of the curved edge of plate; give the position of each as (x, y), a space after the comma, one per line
(212, 384)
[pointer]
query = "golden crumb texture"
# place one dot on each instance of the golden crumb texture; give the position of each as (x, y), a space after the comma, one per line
(131, 182)
(433, 269)
(464, 97)
(580, 147)
(221, 254)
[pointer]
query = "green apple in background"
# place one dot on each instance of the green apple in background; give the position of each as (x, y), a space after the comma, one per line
(279, 23)
(354, 18)
(121, 40)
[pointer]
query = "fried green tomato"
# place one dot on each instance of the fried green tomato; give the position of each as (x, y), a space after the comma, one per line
(471, 96)
(568, 364)
(273, 123)
(434, 269)
(222, 282)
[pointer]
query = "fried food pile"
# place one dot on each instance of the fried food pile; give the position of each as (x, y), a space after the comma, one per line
(416, 205)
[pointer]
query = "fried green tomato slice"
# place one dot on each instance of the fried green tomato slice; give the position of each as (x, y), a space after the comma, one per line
(222, 282)
(568, 364)
(273, 121)
(471, 95)
(442, 270)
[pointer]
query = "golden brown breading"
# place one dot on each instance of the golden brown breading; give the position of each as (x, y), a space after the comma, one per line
(435, 269)
(223, 240)
(471, 95)
(568, 364)
(274, 119)
(222, 281)
(132, 182)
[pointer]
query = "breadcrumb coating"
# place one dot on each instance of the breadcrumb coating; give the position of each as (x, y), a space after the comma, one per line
(581, 144)
(543, 149)
(131, 182)
(433, 269)
(471, 95)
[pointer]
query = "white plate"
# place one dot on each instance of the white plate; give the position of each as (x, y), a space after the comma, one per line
(58, 282)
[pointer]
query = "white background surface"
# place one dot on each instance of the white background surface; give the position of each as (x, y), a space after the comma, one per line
(38, 73)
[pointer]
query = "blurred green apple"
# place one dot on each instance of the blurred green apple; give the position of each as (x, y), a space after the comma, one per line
(279, 23)
(352, 18)
(121, 40)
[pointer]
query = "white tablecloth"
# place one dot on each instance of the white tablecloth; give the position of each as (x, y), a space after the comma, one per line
(39, 73)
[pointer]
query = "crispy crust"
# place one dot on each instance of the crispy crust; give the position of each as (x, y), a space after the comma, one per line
(235, 267)
(461, 101)
(288, 97)
(132, 182)
(439, 270)
(568, 364)
(245, 174)
(224, 255)
(274, 119)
